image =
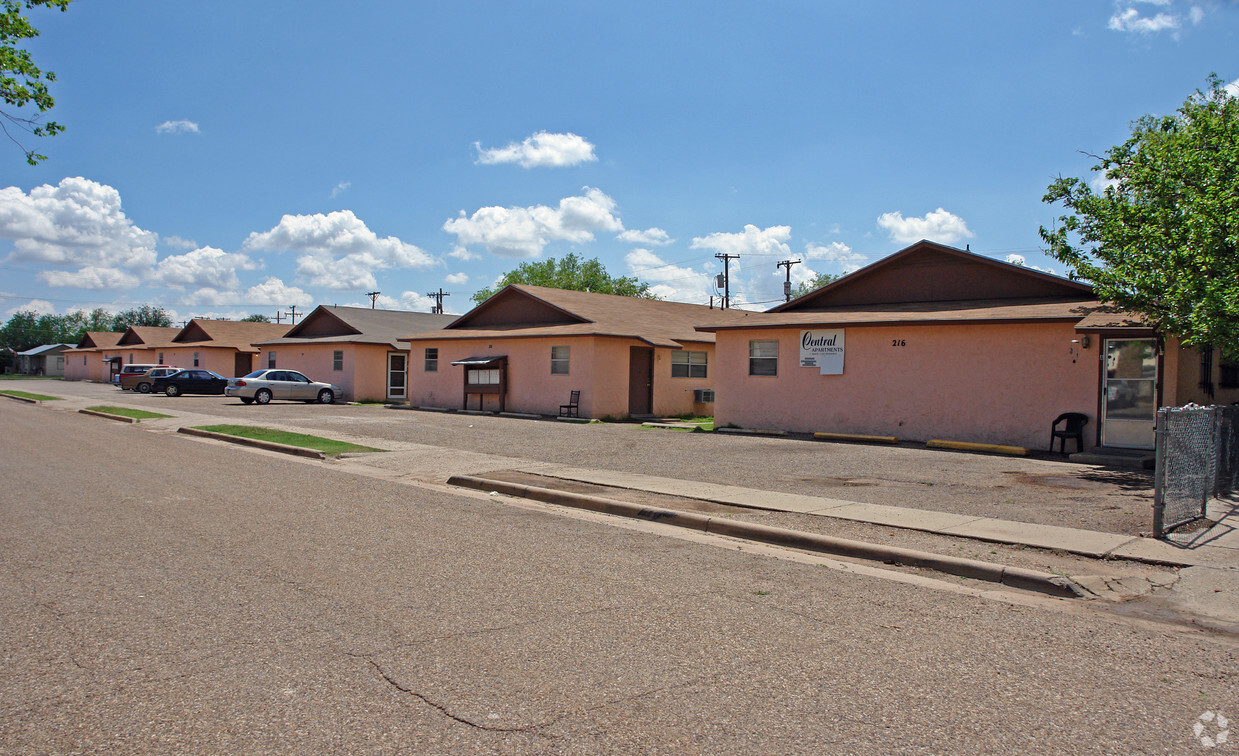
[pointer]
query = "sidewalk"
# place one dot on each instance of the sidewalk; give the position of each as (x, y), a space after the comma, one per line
(1218, 547)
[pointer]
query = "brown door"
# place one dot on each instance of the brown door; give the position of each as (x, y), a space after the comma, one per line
(241, 365)
(640, 380)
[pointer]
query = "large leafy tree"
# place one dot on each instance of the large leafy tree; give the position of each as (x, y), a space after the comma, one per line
(1161, 238)
(23, 85)
(569, 273)
(146, 315)
(813, 284)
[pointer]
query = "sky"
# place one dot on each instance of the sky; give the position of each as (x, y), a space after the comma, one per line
(226, 159)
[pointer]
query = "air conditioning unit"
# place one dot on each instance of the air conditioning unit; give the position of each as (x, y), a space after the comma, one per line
(703, 396)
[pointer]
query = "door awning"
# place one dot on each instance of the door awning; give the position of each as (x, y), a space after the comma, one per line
(487, 360)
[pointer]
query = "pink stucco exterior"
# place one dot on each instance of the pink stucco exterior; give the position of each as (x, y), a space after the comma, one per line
(991, 383)
(364, 370)
(598, 367)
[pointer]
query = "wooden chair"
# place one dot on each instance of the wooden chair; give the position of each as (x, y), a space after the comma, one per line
(570, 409)
(1073, 427)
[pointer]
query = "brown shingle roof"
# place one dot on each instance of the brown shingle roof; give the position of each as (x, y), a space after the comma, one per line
(923, 313)
(359, 325)
(1109, 317)
(589, 314)
(147, 336)
(229, 334)
(98, 340)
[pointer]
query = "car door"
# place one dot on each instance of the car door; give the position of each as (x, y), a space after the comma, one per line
(278, 382)
(302, 388)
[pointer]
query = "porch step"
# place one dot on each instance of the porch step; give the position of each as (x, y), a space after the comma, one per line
(1134, 458)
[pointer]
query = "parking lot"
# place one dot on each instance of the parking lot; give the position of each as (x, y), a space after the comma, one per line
(1040, 489)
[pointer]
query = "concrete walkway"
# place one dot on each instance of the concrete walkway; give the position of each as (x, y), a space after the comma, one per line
(1219, 546)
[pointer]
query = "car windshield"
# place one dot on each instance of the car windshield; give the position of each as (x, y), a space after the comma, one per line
(255, 374)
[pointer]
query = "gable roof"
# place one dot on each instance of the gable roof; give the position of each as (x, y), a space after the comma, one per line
(228, 334)
(45, 349)
(147, 336)
(359, 325)
(99, 339)
(930, 272)
(524, 311)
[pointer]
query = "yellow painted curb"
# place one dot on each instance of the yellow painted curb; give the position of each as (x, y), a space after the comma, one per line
(856, 437)
(1015, 451)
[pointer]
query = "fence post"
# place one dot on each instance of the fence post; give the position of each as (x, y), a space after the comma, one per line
(1159, 475)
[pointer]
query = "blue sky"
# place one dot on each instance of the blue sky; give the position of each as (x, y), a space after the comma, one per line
(223, 159)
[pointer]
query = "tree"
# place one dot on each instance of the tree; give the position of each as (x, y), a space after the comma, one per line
(569, 273)
(813, 284)
(146, 315)
(1162, 237)
(256, 318)
(23, 85)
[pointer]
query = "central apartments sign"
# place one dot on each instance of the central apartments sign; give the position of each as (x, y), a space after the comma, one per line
(822, 350)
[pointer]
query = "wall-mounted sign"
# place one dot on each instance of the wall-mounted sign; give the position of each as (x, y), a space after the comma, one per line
(822, 350)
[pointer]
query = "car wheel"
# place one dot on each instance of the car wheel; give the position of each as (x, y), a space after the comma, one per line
(144, 388)
(326, 396)
(246, 400)
(172, 390)
(263, 396)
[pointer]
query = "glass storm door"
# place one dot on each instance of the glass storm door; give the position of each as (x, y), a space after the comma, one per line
(397, 375)
(1129, 399)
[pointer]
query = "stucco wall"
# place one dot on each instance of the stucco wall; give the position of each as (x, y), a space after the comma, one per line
(1182, 380)
(77, 366)
(363, 375)
(988, 383)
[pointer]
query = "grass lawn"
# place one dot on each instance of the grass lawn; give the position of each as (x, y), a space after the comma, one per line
(28, 395)
(705, 423)
(16, 377)
(325, 445)
(136, 414)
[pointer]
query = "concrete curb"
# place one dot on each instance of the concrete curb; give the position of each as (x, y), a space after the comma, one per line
(1015, 577)
(751, 431)
(1014, 451)
(118, 418)
(299, 451)
(856, 437)
(25, 399)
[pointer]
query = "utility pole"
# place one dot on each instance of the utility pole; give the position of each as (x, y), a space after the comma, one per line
(726, 258)
(278, 316)
(438, 297)
(787, 285)
(374, 295)
(292, 314)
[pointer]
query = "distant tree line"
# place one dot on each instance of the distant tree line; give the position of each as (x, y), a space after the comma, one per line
(28, 329)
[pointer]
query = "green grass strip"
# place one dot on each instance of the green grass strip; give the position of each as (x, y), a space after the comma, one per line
(20, 377)
(28, 395)
(136, 414)
(325, 445)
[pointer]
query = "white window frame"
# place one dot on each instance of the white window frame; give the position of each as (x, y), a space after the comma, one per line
(271, 360)
(337, 359)
(757, 361)
(689, 364)
(560, 360)
(430, 358)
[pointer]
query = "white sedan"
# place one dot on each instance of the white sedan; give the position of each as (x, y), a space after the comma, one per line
(262, 386)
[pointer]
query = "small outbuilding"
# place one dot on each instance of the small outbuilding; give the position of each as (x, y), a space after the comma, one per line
(47, 359)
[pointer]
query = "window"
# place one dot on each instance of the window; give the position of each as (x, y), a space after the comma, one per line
(83, 359)
(195, 359)
(1229, 375)
(161, 358)
(686, 364)
(432, 359)
(271, 359)
(763, 357)
(483, 377)
(559, 360)
(337, 359)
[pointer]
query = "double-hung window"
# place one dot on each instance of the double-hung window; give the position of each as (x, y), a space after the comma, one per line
(271, 359)
(559, 360)
(686, 364)
(432, 360)
(337, 359)
(763, 357)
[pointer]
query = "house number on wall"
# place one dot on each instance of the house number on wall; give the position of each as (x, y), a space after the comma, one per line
(899, 342)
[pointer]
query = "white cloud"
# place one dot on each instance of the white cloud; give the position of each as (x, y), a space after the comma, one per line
(1196, 14)
(205, 267)
(273, 291)
(835, 253)
(655, 236)
(338, 250)
(462, 253)
(751, 241)
(340, 188)
(177, 127)
(457, 279)
(409, 300)
(1016, 260)
(77, 223)
(525, 231)
(1101, 182)
(1022, 261)
(90, 277)
(40, 306)
(670, 282)
(542, 150)
(178, 242)
(939, 225)
(1130, 20)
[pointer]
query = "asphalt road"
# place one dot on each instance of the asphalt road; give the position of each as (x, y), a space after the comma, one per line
(164, 594)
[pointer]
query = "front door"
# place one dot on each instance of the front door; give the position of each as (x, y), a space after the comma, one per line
(1129, 393)
(397, 375)
(242, 364)
(640, 380)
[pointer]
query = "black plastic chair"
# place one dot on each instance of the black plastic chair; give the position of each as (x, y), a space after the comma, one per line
(570, 409)
(1074, 423)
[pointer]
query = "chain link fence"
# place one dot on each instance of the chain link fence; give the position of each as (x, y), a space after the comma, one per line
(1197, 460)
